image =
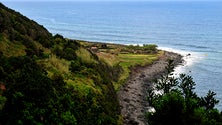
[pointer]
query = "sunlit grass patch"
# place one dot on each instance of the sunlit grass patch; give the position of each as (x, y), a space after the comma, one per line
(126, 61)
(55, 65)
(85, 55)
(83, 85)
(109, 58)
(12, 48)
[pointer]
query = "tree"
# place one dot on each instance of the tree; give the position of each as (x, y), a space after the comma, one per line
(180, 105)
(167, 82)
(187, 85)
(209, 101)
(169, 110)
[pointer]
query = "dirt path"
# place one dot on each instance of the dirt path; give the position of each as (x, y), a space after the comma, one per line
(132, 96)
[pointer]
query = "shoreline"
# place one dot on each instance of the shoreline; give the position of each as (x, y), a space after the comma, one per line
(189, 58)
(132, 95)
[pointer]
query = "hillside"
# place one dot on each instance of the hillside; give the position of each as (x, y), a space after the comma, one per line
(48, 79)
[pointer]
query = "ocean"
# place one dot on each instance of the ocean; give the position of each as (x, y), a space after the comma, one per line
(193, 28)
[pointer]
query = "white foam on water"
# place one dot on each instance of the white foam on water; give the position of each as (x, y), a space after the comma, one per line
(190, 58)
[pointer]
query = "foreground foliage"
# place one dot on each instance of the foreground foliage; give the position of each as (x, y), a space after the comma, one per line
(31, 97)
(178, 104)
(46, 79)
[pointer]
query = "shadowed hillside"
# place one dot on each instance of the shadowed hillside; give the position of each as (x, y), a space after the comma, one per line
(48, 79)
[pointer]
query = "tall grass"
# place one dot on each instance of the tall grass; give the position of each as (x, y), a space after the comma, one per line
(55, 65)
(85, 56)
(12, 48)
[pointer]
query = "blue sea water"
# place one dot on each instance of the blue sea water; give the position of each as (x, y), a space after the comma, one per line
(188, 27)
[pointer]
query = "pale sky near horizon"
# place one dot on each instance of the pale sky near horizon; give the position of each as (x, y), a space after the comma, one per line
(109, 0)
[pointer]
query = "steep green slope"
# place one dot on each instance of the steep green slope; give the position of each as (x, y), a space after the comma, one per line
(47, 79)
(19, 32)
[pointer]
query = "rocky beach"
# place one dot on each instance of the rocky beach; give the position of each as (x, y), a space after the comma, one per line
(132, 96)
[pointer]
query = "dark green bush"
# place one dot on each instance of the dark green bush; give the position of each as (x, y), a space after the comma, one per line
(32, 97)
(180, 105)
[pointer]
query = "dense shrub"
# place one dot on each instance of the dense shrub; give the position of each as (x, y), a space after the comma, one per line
(16, 26)
(150, 47)
(34, 94)
(33, 98)
(65, 48)
(146, 48)
(179, 104)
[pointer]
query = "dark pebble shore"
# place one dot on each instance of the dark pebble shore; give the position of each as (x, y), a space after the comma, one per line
(132, 95)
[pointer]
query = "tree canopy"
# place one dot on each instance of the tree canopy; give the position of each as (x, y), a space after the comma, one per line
(178, 103)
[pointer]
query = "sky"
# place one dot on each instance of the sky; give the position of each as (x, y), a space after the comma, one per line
(113, 0)
(109, 0)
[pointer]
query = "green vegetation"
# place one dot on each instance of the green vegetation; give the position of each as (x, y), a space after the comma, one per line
(126, 57)
(46, 79)
(179, 104)
(127, 61)
(148, 48)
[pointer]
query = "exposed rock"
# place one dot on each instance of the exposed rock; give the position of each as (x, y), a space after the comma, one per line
(132, 96)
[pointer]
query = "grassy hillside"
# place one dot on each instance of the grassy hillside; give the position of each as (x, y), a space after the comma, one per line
(46, 79)
(126, 57)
